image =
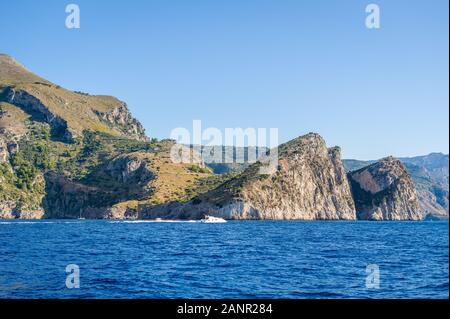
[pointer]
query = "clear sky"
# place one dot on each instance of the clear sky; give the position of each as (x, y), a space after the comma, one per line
(296, 65)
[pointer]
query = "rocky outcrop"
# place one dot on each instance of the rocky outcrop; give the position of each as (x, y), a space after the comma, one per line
(7, 209)
(430, 176)
(121, 117)
(10, 210)
(308, 184)
(385, 191)
(129, 169)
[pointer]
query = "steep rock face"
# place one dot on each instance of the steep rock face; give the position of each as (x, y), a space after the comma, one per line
(308, 184)
(129, 169)
(121, 117)
(430, 176)
(124, 177)
(68, 199)
(385, 191)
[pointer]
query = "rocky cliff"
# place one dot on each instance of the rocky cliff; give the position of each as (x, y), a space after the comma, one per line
(430, 176)
(309, 184)
(384, 191)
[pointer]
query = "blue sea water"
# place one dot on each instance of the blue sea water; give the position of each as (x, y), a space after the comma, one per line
(241, 259)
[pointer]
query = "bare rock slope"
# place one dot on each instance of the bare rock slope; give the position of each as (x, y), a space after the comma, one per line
(385, 191)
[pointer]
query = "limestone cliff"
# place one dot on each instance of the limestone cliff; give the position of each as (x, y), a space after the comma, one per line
(309, 184)
(384, 191)
(430, 176)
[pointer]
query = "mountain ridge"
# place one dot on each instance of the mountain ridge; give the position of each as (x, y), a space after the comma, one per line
(66, 111)
(67, 154)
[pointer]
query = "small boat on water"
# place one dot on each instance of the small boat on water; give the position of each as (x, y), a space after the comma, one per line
(212, 219)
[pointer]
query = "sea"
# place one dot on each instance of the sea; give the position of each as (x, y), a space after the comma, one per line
(104, 259)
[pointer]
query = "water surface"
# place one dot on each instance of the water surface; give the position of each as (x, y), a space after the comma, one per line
(241, 259)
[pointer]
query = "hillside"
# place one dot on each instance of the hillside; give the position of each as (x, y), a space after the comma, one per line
(68, 113)
(65, 154)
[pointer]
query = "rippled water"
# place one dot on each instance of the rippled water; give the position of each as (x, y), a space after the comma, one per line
(246, 259)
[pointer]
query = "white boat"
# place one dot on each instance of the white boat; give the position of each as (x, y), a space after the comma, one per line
(212, 219)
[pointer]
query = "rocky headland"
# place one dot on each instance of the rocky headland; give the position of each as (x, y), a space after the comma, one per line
(66, 154)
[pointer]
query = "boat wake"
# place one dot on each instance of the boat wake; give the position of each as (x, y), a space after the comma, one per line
(207, 219)
(212, 220)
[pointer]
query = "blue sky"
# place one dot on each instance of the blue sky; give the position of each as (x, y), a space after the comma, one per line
(299, 66)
